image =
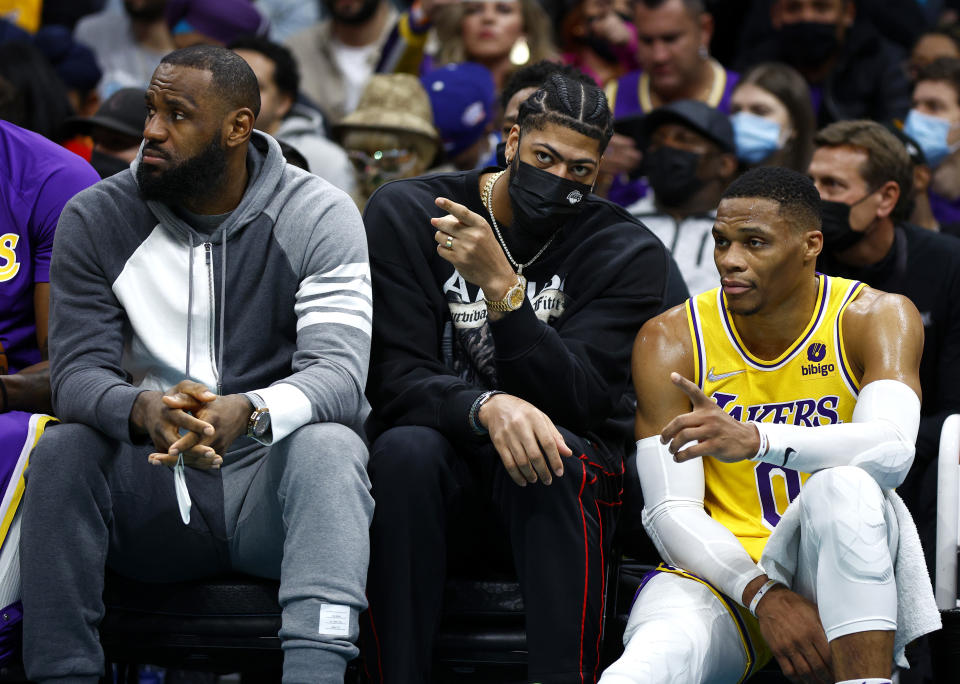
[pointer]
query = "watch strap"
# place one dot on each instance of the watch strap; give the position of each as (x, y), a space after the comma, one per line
(259, 408)
(504, 304)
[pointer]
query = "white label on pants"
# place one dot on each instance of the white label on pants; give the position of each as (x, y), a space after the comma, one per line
(334, 620)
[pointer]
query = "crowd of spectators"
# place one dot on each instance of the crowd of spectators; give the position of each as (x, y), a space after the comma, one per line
(862, 96)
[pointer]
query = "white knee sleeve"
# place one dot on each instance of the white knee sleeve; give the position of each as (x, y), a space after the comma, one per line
(679, 632)
(850, 535)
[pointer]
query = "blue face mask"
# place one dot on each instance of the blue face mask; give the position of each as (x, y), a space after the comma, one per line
(931, 133)
(756, 138)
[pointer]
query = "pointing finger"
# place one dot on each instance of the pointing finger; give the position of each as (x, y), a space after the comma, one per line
(459, 211)
(697, 397)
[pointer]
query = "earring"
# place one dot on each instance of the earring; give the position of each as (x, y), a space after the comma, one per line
(520, 52)
(703, 52)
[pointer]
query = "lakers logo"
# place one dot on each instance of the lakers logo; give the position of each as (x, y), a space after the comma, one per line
(9, 266)
(574, 196)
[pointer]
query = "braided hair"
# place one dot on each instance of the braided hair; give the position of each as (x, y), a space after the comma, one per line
(570, 103)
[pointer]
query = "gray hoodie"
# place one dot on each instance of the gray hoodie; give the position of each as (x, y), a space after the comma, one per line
(276, 300)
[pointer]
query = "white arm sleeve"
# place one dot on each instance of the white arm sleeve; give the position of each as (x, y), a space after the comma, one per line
(674, 517)
(881, 439)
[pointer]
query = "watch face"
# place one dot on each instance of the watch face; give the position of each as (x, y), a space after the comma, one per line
(261, 424)
(515, 298)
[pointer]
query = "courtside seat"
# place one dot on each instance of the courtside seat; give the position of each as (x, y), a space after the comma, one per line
(224, 624)
(230, 624)
(482, 636)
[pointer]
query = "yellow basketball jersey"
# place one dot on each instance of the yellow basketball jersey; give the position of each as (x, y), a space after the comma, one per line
(810, 384)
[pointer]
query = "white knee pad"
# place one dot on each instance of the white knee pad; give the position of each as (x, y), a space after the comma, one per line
(851, 536)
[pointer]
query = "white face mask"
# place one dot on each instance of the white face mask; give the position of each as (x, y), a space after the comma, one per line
(756, 137)
(931, 134)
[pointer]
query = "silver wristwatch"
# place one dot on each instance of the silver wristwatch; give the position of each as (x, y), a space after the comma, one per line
(259, 423)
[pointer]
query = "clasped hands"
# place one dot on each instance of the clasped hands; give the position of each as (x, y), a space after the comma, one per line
(191, 421)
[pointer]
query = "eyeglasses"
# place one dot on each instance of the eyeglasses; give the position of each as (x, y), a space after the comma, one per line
(386, 164)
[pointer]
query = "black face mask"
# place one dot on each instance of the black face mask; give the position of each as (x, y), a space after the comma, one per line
(502, 154)
(542, 202)
(808, 43)
(602, 47)
(359, 16)
(837, 233)
(672, 174)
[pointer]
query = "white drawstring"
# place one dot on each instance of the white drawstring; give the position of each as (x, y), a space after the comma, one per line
(183, 494)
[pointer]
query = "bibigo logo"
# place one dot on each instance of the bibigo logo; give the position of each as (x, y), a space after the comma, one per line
(816, 352)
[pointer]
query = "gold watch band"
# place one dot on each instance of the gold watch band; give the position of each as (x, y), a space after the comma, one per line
(512, 300)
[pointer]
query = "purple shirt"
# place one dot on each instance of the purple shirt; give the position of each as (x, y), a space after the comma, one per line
(944, 210)
(816, 98)
(631, 96)
(37, 177)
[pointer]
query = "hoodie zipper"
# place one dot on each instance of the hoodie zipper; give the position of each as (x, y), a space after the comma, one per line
(208, 258)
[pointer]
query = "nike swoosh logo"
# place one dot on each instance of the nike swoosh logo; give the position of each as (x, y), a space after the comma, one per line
(787, 454)
(711, 377)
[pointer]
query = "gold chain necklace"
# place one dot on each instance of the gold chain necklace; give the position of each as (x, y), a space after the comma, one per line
(488, 201)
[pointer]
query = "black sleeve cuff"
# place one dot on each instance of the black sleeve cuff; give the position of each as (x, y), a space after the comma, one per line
(455, 413)
(517, 332)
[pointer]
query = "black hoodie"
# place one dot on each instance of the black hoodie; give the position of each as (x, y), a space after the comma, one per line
(566, 350)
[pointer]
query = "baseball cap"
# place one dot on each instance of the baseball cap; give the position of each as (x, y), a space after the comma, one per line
(123, 112)
(74, 62)
(462, 98)
(221, 20)
(711, 123)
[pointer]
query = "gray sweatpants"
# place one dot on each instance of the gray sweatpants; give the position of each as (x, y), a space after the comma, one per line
(298, 511)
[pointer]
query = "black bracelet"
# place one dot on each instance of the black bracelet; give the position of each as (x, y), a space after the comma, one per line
(6, 399)
(472, 417)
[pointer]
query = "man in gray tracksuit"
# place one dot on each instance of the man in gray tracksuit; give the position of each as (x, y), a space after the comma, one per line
(210, 307)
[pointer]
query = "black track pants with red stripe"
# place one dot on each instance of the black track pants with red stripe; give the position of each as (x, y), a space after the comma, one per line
(439, 507)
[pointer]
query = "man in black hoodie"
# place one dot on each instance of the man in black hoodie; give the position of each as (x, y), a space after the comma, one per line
(506, 304)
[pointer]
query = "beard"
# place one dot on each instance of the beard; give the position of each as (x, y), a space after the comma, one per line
(187, 180)
(360, 16)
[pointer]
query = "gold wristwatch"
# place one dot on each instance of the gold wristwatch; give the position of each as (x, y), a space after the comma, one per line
(511, 301)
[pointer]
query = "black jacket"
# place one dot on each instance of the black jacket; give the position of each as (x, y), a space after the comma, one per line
(434, 352)
(868, 81)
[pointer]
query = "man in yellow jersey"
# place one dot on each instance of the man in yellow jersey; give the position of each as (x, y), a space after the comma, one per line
(729, 386)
